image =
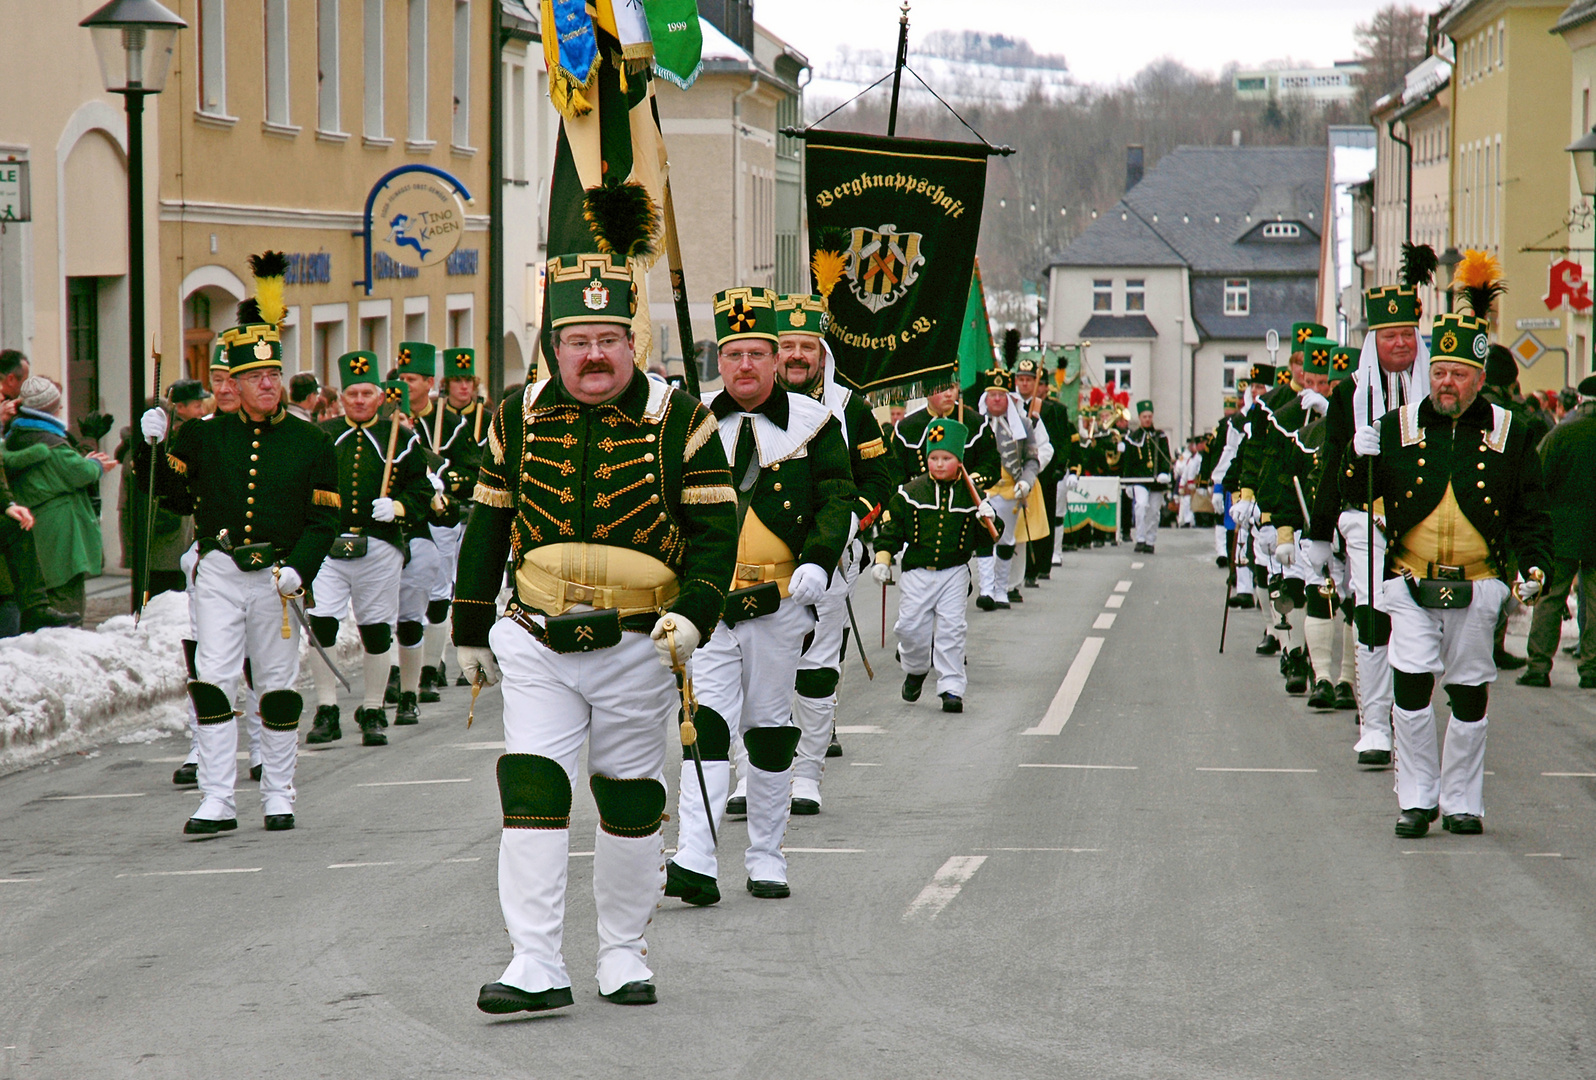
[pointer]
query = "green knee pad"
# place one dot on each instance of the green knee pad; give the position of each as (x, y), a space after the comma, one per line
(628, 807)
(817, 682)
(771, 749)
(714, 736)
(210, 703)
(1374, 627)
(534, 792)
(280, 709)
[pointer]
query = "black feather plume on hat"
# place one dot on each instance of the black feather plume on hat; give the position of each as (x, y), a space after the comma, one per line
(1011, 347)
(623, 219)
(1418, 264)
(248, 311)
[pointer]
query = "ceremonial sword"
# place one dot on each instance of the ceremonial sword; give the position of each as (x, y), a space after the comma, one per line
(848, 600)
(690, 730)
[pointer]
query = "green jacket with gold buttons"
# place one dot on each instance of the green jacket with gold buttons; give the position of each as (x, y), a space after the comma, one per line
(362, 456)
(933, 522)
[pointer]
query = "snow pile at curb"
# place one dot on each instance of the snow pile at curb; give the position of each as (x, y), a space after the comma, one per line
(58, 686)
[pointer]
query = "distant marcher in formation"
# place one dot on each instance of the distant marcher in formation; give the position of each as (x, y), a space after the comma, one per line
(172, 533)
(13, 373)
(304, 394)
(53, 479)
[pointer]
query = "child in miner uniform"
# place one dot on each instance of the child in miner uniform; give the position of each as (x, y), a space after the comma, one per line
(932, 520)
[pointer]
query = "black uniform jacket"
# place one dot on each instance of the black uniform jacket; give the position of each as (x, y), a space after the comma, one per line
(935, 521)
(275, 481)
(459, 447)
(867, 451)
(1283, 450)
(1065, 439)
(981, 459)
(362, 454)
(1486, 457)
(808, 497)
(1568, 456)
(645, 471)
(1146, 455)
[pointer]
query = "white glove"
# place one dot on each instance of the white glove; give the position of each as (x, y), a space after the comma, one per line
(1366, 441)
(1120, 446)
(187, 561)
(986, 511)
(1071, 481)
(1022, 488)
(478, 658)
(1317, 552)
(686, 635)
(1528, 588)
(1314, 401)
(153, 424)
(808, 584)
(288, 581)
(437, 483)
(381, 509)
(1162, 478)
(882, 572)
(1242, 511)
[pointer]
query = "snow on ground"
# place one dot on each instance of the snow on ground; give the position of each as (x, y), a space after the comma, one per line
(62, 690)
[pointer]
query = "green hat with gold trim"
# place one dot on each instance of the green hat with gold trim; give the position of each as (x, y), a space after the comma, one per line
(590, 288)
(946, 434)
(1143, 406)
(1232, 401)
(250, 347)
(1460, 339)
(1302, 331)
(1343, 362)
(1316, 355)
(1027, 366)
(255, 342)
(996, 378)
(1391, 305)
(746, 312)
(1262, 373)
(395, 392)
(459, 363)
(218, 356)
(418, 358)
(359, 367)
(799, 313)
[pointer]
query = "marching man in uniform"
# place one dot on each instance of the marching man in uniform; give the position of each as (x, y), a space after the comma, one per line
(1147, 458)
(1460, 486)
(805, 366)
(609, 494)
(795, 502)
(382, 483)
(931, 520)
(263, 488)
(1020, 450)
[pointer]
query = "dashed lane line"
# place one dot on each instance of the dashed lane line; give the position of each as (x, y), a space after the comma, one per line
(1212, 768)
(1115, 601)
(1105, 621)
(1568, 774)
(77, 798)
(1070, 850)
(1050, 765)
(1137, 565)
(945, 885)
(18, 880)
(355, 865)
(413, 783)
(860, 729)
(476, 746)
(1122, 586)
(867, 764)
(196, 873)
(1543, 854)
(1069, 691)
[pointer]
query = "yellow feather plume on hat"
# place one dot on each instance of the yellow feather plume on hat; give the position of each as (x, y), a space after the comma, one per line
(1478, 281)
(270, 268)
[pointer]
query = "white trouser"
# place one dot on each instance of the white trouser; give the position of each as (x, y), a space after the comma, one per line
(369, 585)
(1456, 646)
(995, 570)
(1221, 540)
(238, 614)
(931, 626)
(1374, 663)
(1145, 506)
(745, 673)
(816, 715)
(417, 580)
(1184, 516)
(447, 538)
(621, 702)
(251, 709)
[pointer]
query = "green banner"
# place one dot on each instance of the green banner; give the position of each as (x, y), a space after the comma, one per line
(678, 39)
(976, 351)
(893, 225)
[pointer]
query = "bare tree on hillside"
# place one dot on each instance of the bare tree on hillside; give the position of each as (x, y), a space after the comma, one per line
(1390, 45)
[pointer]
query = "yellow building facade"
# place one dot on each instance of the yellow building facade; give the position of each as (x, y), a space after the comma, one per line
(1577, 27)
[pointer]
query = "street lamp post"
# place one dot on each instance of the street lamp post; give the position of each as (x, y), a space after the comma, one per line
(134, 41)
(1583, 150)
(1448, 260)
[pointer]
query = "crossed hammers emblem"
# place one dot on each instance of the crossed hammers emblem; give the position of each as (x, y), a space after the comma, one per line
(584, 633)
(255, 558)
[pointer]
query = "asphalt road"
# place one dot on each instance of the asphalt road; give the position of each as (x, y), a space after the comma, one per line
(1189, 878)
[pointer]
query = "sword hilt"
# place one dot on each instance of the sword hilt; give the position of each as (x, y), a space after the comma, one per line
(476, 688)
(679, 668)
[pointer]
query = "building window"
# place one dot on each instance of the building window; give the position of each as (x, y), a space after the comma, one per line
(327, 112)
(373, 73)
(212, 59)
(1102, 295)
(1501, 43)
(1282, 230)
(515, 120)
(1117, 371)
(459, 307)
(277, 63)
(327, 322)
(461, 135)
(1135, 294)
(1237, 369)
(416, 70)
(1238, 299)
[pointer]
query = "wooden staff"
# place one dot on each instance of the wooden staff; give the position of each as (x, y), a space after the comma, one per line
(437, 425)
(970, 486)
(393, 442)
(476, 425)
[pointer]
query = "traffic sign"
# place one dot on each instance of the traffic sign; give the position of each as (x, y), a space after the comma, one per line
(1528, 349)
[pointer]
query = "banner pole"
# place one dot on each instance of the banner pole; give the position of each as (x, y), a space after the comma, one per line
(897, 70)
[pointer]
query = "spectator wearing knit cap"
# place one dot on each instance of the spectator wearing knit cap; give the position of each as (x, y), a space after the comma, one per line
(53, 480)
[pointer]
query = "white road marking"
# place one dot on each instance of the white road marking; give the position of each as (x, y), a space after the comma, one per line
(411, 783)
(1071, 850)
(243, 755)
(1543, 854)
(824, 850)
(195, 873)
(474, 858)
(1568, 774)
(353, 865)
(1115, 601)
(579, 854)
(18, 880)
(945, 885)
(1069, 691)
(1030, 765)
(861, 729)
(1122, 586)
(1137, 565)
(867, 764)
(75, 798)
(1436, 852)
(1201, 768)
(1105, 621)
(476, 746)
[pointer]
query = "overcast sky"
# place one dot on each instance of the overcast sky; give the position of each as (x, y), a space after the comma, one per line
(1103, 40)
